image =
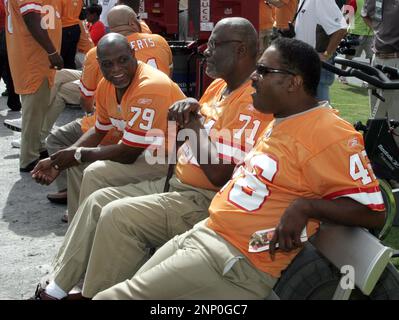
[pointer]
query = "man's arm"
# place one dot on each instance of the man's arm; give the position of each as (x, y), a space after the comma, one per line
(368, 22)
(343, 211)
(118, 152)
(185, 113)
(33, 23)
(335, 39)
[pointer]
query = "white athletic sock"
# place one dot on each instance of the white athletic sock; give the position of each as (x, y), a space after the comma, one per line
(55, 291)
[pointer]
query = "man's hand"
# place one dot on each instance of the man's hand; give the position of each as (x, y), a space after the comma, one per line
(45, 172)
(184, 111)
(288, 232)
(56, 61)
(64, 159)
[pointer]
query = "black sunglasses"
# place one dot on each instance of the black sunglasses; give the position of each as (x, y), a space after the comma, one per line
(263, 70)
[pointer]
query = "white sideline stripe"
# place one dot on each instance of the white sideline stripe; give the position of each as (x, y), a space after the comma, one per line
(30, 6)
(230, 151)
(103, 127)
(86, 92)
(365, 197)
(147, 140)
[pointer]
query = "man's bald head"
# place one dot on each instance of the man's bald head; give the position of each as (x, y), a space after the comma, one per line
(113, 42)
(134, 4)
(232, 49)
(123, 19)
(243, 30)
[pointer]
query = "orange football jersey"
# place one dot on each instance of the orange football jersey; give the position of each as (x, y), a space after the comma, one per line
(312, 155)
(85, 43)
(233, 124)
(266, 15)
(91, 74)
(70, 11)
(29, 62)
(285, 14)
(144, 107)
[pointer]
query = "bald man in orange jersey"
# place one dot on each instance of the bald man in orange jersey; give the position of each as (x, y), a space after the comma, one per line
(149, 48)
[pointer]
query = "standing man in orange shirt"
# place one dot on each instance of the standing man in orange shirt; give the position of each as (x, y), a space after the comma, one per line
(285, 186)
(266, 21)
(33, 31)
(284, 12)
(71, 10)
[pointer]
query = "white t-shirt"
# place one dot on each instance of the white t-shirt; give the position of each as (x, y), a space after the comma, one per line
(106, 5)
(323, 12)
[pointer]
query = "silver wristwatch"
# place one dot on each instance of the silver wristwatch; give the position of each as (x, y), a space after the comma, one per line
(78, 155)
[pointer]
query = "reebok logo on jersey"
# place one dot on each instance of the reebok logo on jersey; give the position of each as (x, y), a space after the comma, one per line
(144, 101)
(353, 142)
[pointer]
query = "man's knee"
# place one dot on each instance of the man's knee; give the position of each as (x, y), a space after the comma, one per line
(53, 143)
(94, 171)
(115, 214)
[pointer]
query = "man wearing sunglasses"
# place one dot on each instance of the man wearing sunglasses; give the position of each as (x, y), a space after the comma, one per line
(297, 174)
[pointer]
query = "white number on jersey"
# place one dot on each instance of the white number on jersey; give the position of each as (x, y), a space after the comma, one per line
(7, 6)
(147, 116)
(247, 119)
(250, 191)
(357, 170)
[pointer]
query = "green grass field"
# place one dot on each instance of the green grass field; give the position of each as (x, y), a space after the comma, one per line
(353, 105)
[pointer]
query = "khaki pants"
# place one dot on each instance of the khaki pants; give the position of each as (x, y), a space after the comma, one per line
(83, 180)
(198, 264)
(65, 90)
(391, 104)
(113, 229)
(34, 123)
(61, 138)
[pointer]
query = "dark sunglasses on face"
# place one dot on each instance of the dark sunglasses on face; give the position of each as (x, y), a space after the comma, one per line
(262, 70)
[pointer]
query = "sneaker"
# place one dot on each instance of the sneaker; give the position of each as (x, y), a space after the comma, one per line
(16, 144)
(13, 124)
(342, 79)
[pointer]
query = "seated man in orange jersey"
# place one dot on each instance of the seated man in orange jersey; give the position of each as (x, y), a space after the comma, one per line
(127, 83)
(298, 174)
(150, 48)
(225, 121)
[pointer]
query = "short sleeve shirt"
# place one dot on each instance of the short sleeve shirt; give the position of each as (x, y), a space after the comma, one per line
(30, 64)
(295, 158)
